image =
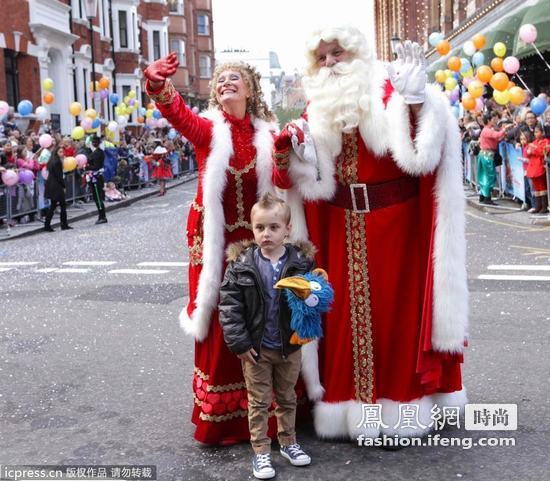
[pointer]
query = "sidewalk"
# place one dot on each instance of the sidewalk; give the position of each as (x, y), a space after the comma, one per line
(506, 208)
(85, 210)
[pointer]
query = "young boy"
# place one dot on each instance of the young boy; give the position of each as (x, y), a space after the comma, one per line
(255, 318)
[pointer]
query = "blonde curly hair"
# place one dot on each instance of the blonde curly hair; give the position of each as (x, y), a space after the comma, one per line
(255, 104)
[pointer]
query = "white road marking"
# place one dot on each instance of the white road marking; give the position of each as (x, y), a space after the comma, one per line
(21, 263)
(47, 269)
(163, 264)
(89, 263)
(5, 269)
(138, 271)
(72, 270)
(497, 277)
(518, 267)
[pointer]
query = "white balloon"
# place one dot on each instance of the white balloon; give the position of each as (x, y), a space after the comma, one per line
(122, 120)
(469, 48)
(41, 113)
(112, 126)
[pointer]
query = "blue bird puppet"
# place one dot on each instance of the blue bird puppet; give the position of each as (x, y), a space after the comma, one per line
(308, 296)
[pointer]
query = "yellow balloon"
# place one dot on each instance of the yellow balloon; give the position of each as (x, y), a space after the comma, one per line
(517, 95)
(132, 94)
(75, 108)
(47, 84)
(450, 83)
(126, 99)
(149, 114)
(69, 164)
(500, 49)
(469, 73)
(475, 88)
(91, 113)
(78, 133)
(448, 72)
(501, 97)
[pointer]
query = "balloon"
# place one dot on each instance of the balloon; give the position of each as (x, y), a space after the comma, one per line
(469, 48)
(497, 64)
(466, 81)
(156, 114)
(91, 113)
(113, 98)
(4, 108)
(47, 84)
(454, 64)
(443, 47)
(69, 164)
(24, 107)
(75, 108)
(195, 109)
(104, 82)
(45, 140)
(10, 177)
(126, 99)
(26, 176)
(45, 173)
(48, 98)
(149, 114)
(468, 102)
(517, 95)
(122, 120)
(132, 102)
(172, 134)
(500, 49)
(484, 73)
(453, 97)
(450, 83)
(94, 84)
(478, 59)
(479, 41)
(538, 105)
(511, 65)
(476, 89)
(132, 94)
(78, 133)
(112, 126)
(141, 120)
(435, 38)
(479, 104)
(499, 81)
(528, 33)
(81, 161)
(41, 113)
(150, 106)
(162, 123)
(142, 111)
(86, 123)
(468, 74)
(440, 76)
(501, 97)
(103, 94)
(464, 65)
(456, 111)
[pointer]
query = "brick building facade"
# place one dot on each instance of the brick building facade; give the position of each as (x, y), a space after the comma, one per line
(51, 39)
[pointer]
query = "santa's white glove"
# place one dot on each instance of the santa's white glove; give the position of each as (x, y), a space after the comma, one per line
(304, 150)
(408, 72)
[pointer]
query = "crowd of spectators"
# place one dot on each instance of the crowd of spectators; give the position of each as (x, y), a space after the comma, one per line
(129, 163)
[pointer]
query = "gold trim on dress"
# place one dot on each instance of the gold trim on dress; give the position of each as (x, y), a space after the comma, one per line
(238, 173)
(166, 95)
(360, 311)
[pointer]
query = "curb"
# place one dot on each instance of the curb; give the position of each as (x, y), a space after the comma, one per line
(108, 208)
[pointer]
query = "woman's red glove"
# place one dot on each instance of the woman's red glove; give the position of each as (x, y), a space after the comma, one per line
(284, 139)
(161, 69)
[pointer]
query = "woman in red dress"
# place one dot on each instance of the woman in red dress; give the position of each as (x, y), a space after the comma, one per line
(233, 143)
(162, 170)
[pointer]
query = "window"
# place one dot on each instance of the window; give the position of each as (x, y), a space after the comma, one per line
(203, 25)
(178, 46)
(123, 29)
(205, 66)
(173, 6)
(156, 45)
(12, 83)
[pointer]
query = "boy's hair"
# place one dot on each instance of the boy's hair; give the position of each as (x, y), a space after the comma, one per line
(268, 201)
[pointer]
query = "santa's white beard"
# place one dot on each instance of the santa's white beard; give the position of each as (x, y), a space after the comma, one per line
(338, 95)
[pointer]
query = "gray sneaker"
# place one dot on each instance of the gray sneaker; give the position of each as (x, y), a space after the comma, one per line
(261, 466)
(295, 454)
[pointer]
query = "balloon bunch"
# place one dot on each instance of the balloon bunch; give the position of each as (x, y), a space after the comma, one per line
(153, 117)
(89, 124)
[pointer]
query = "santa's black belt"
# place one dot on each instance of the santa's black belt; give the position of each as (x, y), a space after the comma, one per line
(363, 198)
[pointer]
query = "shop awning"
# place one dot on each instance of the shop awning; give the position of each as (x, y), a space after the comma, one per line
(539, 16)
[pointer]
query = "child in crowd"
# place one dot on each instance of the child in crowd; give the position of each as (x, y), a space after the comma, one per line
(111, 192)
(162, 170)
(255, 320)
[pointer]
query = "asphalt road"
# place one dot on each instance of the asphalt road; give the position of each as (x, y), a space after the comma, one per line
(94, 368)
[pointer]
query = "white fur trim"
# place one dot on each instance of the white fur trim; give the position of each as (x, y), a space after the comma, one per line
(310, 370)
(213, 184)
(343, 419)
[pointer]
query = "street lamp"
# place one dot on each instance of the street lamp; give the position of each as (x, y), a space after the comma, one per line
(395, 41)
(91, 11)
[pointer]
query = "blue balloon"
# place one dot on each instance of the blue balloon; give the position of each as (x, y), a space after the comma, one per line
(142, 111)
(24, 107)
(456, 75)
(435, 38)
(464, 65)
(113, 98)
(96, 123)
(478, 59)
(538, 105)
(172, 134)
(456, 110)
(156, 114)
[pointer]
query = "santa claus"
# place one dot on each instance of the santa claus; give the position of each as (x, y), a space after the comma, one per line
(374, 180)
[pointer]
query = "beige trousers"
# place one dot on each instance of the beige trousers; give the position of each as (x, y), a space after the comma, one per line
(272, 374)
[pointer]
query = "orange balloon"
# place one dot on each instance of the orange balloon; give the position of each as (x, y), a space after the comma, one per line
(104, 82)
(510, 85)
(468, 102)
(454, 64)
(484, 73)
(497, 64)
(479, 40)
(48, 98)
(476, 88)
(517, 95)
(443, 47)
(499, 81)
(140, 120)
(150, 106)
